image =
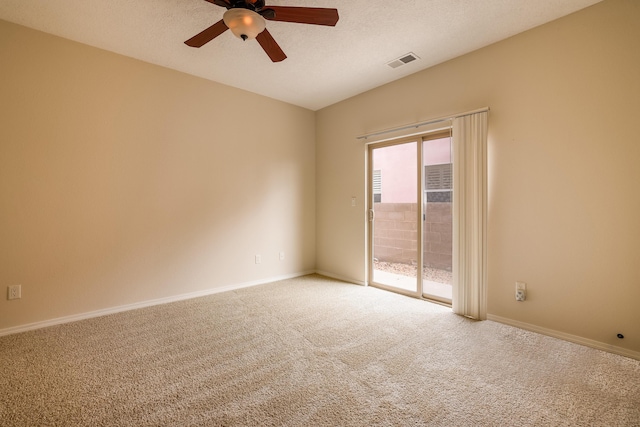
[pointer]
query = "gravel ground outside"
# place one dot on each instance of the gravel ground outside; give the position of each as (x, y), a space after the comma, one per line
(431, 274)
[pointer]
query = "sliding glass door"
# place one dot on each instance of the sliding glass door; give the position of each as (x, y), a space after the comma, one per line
(410, 216)
(437, 230)
(393, 215)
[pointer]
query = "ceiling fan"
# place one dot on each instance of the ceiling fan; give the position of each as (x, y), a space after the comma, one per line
(246, 20)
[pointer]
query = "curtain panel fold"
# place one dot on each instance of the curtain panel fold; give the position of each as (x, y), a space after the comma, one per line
(470, 215)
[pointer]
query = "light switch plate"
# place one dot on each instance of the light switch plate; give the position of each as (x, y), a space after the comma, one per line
(14, 292)
(521, 291)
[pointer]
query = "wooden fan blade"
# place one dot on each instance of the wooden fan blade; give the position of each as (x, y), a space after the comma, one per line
(207, 35)
(221, 3)
(304, 15)
(270, 46)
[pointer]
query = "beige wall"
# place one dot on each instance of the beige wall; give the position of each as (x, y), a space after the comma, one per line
(564, 169)
(123, 182)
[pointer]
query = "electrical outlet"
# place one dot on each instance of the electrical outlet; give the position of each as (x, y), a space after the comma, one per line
(521, 291)
(258, 259)
(281, 256)
(14, 292)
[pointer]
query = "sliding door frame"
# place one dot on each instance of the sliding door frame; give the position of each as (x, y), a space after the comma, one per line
(420, 212)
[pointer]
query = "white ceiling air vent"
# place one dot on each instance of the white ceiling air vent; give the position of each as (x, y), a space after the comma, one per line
(404, 59)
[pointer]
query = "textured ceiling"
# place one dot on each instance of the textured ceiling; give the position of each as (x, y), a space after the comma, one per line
(324, 65)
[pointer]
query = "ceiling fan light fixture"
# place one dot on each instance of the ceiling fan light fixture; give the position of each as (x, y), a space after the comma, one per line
(244, 23)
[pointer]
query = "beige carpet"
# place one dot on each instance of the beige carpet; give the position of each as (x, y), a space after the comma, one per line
(308, 352)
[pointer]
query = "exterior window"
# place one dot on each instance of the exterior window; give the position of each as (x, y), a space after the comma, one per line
(438, 182)
(377, 186)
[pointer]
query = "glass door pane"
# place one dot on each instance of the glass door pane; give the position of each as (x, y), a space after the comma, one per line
(394, 182)
(437, 201)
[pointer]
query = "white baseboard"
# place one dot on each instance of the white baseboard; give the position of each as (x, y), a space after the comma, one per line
(338, 277)
(112, 310)
(142, 304)
(567, 337)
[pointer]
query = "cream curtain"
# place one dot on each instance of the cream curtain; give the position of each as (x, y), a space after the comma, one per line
(470, 215)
